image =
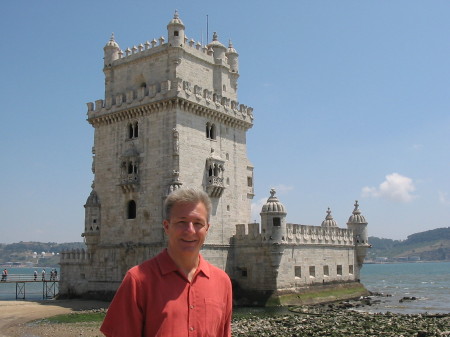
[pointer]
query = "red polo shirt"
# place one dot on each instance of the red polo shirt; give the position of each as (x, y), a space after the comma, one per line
(156, 299)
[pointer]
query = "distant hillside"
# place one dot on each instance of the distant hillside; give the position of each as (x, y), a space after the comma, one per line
(432, 245)
(35, 253)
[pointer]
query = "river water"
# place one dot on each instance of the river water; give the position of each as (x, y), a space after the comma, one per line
(428, 282)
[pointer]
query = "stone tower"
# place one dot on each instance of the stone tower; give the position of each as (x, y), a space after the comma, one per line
(170, 118)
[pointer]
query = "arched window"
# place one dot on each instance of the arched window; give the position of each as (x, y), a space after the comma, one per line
(136, 130)
(213, 132)
(207, 130)
(210, 131)
(130, 131)
(131, 210)
(133, 130)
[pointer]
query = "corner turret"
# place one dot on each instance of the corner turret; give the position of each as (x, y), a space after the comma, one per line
(273, 219)
(111, 51)
(218, 48)
(175, 31)
(92, 221)
(232, 56)
(358, 224)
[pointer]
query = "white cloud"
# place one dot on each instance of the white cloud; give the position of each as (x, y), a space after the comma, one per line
(396, 187)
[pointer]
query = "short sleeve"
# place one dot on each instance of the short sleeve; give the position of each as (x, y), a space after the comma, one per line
(124, 317)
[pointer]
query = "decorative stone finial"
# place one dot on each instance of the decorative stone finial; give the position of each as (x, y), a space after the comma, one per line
(329, 217)
(215, 37)
(175, 15)
(272, 192)
(356, 210)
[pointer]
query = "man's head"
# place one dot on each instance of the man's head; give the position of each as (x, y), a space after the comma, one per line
(189, 196)
(186, 222)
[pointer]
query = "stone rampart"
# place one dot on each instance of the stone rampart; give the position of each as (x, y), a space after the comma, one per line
(297, 234)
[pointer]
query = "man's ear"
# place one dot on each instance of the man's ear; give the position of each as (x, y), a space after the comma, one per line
(166, 225)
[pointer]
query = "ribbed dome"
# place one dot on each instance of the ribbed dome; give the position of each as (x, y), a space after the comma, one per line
(231, 49)
(329, 221)
(273, 205)
(356, 217)
(215, 42)
(92, 200)
(112, 43)
(176, 20)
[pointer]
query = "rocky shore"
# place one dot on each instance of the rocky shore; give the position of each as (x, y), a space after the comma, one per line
(319, 320)
(334, 321)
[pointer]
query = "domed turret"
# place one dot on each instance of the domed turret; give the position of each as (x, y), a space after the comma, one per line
(232, 56)
(218, 48)
(175, 30)
(329, 221)
(358, 224)
(92, 221)
(111, 51)
(273, 219)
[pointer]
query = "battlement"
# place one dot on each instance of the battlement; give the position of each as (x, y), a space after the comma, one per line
(74, 256)
(171, 89)
(156, 46)
(297, 234)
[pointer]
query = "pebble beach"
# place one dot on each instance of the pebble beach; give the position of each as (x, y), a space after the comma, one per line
(319, 320)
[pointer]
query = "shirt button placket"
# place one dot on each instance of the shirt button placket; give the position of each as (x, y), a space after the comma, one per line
(191, 313)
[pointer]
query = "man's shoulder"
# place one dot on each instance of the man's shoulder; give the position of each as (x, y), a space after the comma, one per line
(146, 267)
(216, 272)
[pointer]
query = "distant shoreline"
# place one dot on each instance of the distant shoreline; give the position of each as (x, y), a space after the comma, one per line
(398, 262)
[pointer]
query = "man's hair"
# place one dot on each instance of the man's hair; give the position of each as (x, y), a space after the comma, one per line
(187, 195)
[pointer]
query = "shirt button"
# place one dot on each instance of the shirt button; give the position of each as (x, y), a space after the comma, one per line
(191, 307)
(191, 328)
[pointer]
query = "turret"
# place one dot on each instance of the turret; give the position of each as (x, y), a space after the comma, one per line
(111, 51)
(218, 48)
(329, 221)
(358, 224)
(273, 219)
(232, 56)
(92, 221)
(175, 31)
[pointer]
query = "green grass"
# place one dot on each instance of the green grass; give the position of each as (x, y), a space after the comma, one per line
(77, 317)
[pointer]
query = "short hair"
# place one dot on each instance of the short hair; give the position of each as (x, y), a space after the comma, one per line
(187, 195)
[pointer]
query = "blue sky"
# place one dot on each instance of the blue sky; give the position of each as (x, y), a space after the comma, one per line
(350, 102)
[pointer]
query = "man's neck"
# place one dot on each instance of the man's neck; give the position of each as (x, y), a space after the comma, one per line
(187, 265)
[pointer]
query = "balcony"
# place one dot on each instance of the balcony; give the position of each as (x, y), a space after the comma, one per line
(215, 187)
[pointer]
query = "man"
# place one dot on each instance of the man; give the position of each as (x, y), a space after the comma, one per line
(177, 293)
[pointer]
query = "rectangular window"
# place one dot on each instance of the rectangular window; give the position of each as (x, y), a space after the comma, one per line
(326, 271)
(312, 271)
(276, 222)
(350, 269)
(339, 270)
(249, 182)
(298, 271)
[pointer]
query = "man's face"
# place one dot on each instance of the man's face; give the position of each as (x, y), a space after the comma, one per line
(186, 229)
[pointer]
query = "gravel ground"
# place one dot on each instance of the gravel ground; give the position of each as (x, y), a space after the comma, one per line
(302, 321)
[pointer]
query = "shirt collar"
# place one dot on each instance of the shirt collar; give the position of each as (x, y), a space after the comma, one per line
(166, 264)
